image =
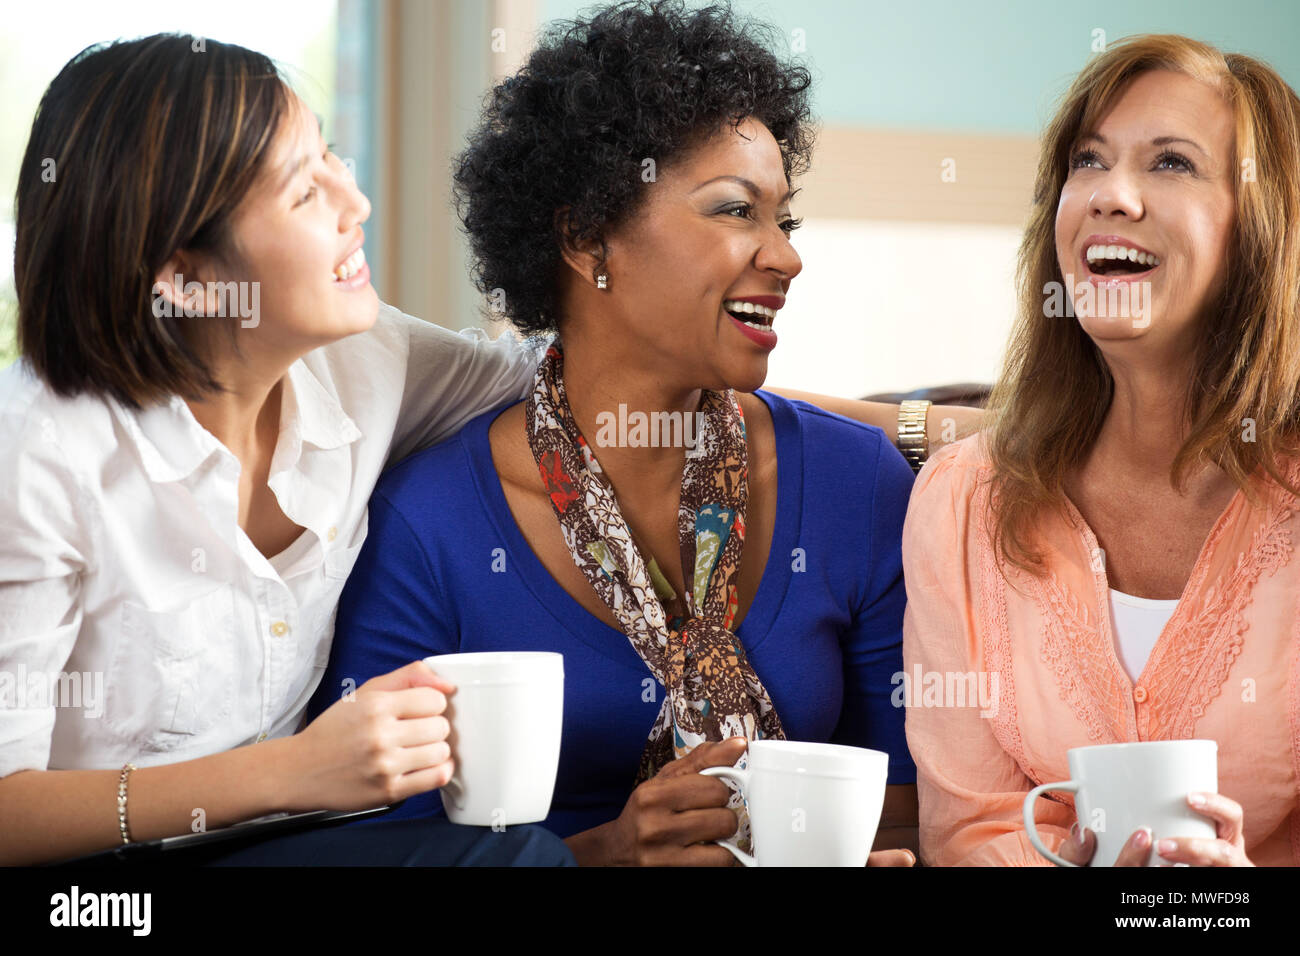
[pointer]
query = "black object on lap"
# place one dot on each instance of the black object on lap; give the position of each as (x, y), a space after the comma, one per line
(195, 847)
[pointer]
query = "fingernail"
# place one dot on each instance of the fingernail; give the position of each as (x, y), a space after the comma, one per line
(1165, 847)
(1196, 799)
(1076, 833)
(1141, 839)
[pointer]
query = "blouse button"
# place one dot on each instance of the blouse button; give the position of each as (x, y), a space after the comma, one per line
(261, 737)
(279, 628)
(1140, 694)
(332, 533)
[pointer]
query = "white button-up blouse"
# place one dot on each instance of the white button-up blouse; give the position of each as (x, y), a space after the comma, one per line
(137, 620)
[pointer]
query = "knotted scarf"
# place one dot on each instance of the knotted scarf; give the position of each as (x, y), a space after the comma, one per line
(711, 690)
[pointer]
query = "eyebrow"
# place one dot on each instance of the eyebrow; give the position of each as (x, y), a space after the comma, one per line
(746, 183)
(290, 171)
(1158, 141)
(293, 168)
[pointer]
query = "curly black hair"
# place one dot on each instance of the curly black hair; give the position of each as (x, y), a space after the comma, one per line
(597, 97)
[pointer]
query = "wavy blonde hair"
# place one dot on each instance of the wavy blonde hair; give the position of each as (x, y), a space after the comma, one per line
(1055, 389)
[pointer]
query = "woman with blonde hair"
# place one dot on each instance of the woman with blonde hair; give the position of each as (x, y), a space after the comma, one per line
(1117, 548)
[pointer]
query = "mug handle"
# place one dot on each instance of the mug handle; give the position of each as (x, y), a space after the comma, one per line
(454, 792)
(741, 779)
(1069, 786)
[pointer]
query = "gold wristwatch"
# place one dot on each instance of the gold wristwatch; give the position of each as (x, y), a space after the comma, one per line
(913, 440)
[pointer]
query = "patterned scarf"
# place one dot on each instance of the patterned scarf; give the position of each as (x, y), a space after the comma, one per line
(712, 690)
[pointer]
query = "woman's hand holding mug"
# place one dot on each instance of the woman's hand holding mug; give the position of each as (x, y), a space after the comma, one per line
(673, 818)
(382, 743)
(1227, 849)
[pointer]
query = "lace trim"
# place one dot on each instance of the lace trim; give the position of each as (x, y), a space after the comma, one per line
(998, 657)
(1189, 669)
(1199, 669)
(1073, 648)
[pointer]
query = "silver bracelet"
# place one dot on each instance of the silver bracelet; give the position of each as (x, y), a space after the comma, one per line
(121, 802)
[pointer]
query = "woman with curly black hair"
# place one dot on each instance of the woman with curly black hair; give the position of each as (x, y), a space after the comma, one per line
(713, 564)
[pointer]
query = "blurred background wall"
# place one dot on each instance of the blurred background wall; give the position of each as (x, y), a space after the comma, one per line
(929, 113)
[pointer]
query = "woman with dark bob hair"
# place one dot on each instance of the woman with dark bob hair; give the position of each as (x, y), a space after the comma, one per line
(714, 565)
(187, 449)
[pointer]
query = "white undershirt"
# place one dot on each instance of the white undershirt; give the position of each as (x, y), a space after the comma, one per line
(1137, 623)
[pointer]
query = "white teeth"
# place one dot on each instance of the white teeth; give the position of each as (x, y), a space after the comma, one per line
(350, 266)
(1099, 253)
(750, 308)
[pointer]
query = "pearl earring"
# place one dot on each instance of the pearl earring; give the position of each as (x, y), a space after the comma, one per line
(602, 281)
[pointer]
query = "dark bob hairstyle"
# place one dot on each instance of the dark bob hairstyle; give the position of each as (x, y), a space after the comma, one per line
(571, 130)
(139, 149)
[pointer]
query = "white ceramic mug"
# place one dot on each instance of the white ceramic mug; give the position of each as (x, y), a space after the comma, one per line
(506, 717)
(1121, 788)
(809, 804)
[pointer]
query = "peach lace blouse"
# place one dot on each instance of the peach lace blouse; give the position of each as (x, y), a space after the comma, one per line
(1226, 668)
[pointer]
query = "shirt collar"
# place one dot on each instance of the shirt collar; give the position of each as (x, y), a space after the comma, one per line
(172, 444)
(310, 414)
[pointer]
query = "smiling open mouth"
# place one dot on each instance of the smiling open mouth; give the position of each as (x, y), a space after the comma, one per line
(350, 266)
(1119, 260)
(751, 314)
